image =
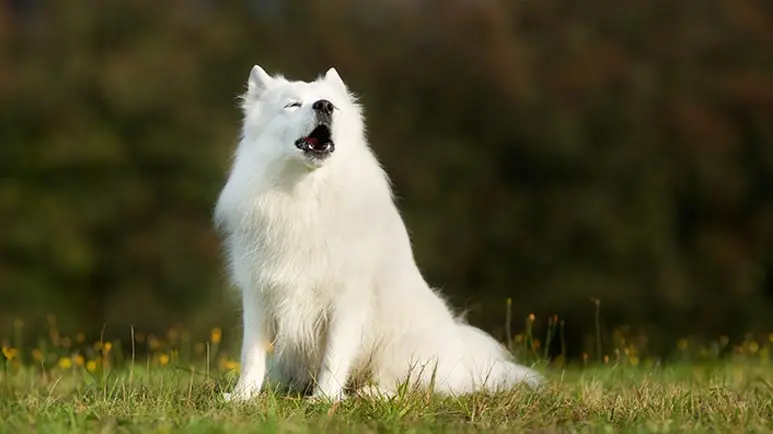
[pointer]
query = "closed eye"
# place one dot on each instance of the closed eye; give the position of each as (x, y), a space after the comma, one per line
(293, 104)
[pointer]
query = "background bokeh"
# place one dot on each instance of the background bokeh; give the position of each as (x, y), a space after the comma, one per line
(548, 151)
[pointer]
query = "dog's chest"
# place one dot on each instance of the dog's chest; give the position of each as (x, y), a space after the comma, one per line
(283, 243)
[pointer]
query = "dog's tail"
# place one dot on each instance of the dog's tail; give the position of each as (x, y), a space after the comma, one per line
(492, 366)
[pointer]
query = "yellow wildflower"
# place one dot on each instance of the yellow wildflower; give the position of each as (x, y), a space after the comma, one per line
(37, 355)
(232, 365)
(91, 365)
(753, 347)
(65, 363)
(79, 360)
(634, 361)
(531, 317)
(9, 352)
(163, 359)
(106, 347)
(216, 335)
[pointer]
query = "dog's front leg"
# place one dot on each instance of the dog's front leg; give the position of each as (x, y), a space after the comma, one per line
(344, 341)
(254, 348)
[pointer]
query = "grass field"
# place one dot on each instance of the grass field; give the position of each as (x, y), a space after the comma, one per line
(734, 398)
(67, 385)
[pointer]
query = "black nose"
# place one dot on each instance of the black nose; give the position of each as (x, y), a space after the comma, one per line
(323, 106)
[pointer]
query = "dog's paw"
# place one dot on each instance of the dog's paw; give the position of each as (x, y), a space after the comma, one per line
(238, 395)
(374, 392)
(329, 398)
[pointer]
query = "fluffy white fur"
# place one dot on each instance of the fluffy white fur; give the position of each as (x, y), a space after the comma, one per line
(325, 267)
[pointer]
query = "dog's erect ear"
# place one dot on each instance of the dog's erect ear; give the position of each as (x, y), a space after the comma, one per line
(258, 82)
(332, 77)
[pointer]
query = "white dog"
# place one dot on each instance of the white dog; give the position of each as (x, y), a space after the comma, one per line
(332, 296)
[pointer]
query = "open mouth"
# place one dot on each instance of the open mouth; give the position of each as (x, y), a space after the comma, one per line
(318, 143)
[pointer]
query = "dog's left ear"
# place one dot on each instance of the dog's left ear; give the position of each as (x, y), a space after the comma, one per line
(332, 77)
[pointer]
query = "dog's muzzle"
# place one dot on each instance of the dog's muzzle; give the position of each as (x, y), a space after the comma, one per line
(319, 143)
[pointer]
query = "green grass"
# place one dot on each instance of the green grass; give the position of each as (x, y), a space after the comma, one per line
(174, 381)
(728, 396)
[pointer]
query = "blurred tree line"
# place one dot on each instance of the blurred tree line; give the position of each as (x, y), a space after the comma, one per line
(547, 151)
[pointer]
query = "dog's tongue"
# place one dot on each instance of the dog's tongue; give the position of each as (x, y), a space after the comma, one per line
(312, 141)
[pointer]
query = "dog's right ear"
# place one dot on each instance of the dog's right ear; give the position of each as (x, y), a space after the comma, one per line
(258, 82)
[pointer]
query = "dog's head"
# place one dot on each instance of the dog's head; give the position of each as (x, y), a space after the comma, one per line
(300, 122)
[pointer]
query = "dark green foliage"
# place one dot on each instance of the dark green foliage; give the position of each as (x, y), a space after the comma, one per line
(541, 150)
